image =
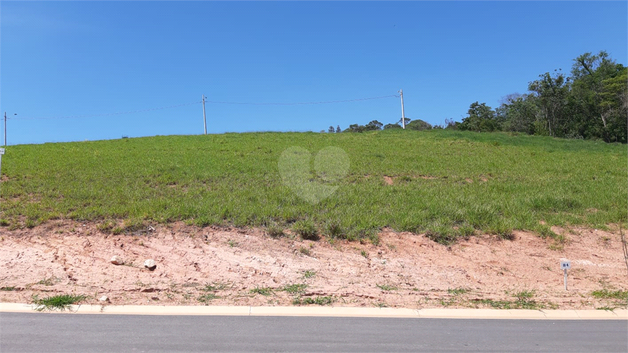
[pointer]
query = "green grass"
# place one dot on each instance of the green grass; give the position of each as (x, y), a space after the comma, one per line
(295, 288)
(306, 229)
(309, 274)
(266, 291)
(333, 229)
(207, 298)
(458, 291)
(57, 302)
(215, 286)
(609, 294)
(606, 308)
(447, 184)
(386, 287)
(275, 231)
(524, 300)
(327, 300)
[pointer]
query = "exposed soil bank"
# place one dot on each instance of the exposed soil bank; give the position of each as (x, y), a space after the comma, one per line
(405, 270)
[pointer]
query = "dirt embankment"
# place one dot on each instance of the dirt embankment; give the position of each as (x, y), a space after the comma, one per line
(197, 266)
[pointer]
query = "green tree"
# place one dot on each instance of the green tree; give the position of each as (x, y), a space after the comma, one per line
(392, 126)
(551, 93)
(355, 128)
(419, 125)
(451, 124)
(593, 86)
(614, 107)
(519, 113)
(481, 118)
(373, 126)
(591, 103)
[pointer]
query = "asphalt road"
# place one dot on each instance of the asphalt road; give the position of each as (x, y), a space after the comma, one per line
(25, 332)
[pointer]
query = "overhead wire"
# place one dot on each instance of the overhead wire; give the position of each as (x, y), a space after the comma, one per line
(304, 103)
(105, 114)
(192, 103)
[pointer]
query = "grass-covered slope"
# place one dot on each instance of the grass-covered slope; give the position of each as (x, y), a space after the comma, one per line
(444, 183)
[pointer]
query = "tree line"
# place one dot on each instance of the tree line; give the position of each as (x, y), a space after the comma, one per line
(590, 103)
(376, 125)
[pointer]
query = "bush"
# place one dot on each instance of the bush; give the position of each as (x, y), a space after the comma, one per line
(333, 229)
(106, 226)
(392, 126)
(306, 229)
(275, 231)
(59, 302)
(419, 125)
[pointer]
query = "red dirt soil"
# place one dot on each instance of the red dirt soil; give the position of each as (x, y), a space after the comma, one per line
(404, 270)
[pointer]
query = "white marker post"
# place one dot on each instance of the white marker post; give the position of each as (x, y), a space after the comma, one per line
(565, 265)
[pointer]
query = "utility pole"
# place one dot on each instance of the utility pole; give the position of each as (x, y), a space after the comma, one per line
(5, 142)
(204, 116)
(403, 115)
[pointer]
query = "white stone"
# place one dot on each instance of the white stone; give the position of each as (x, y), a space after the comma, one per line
(103, 298)
(150, 264)
(117, 260)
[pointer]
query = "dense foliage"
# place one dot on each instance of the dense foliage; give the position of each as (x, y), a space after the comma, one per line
(592, 103)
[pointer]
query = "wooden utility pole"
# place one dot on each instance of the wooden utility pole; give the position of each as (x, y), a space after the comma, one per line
(204, 116)
(403, 115)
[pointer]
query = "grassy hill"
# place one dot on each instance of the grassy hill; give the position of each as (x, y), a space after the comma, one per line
(445, 183)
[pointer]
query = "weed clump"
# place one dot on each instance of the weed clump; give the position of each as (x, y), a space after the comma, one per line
(309, 274)
(327, 300)
(333, 230)
(458, 291)
(57, 302)
(295, 288)
(275, 231)
(306, 229)
(608, 294)
(386, 287)
(215, 286)
(207, 298)
(265, 291)
(524, 300)
(106, 227)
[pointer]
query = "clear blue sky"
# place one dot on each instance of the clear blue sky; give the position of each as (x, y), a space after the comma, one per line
(62, 59)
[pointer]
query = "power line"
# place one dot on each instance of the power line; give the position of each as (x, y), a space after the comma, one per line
(305, 103)
(107, 114)
(197, 102)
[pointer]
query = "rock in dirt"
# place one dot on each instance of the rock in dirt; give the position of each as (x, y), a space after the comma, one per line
(117, 260)
(104, 298)
(150, 264)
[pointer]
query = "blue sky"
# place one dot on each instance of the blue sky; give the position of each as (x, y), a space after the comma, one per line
(89, 59)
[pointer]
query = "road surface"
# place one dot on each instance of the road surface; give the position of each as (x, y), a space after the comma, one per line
(39, 332)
